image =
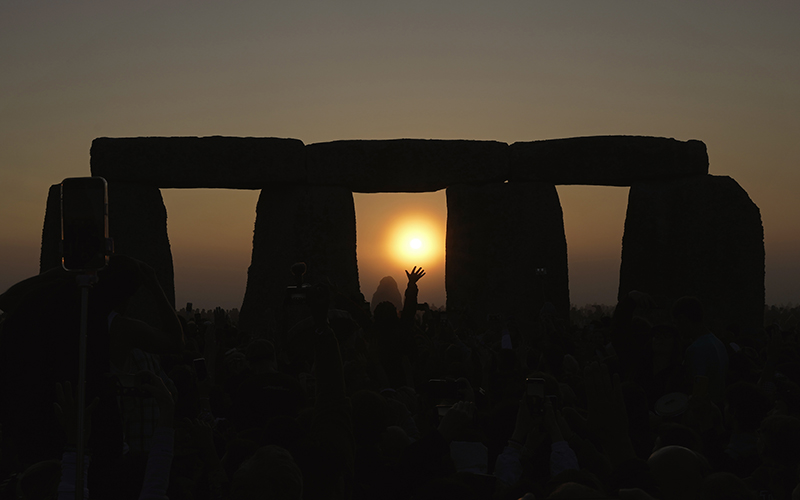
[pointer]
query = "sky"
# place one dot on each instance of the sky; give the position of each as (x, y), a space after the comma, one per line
(726, 73)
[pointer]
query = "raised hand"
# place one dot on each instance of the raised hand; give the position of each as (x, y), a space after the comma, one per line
(415, 275)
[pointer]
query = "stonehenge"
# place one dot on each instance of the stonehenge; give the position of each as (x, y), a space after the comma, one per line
(686, 232)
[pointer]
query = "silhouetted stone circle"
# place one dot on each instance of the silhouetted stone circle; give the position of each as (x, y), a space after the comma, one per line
(686, 232)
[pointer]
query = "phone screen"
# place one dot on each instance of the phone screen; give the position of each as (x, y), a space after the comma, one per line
(84, 223)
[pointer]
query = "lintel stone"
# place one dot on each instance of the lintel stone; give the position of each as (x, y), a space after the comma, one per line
(405, 165)
(199, 162)
(613, 160)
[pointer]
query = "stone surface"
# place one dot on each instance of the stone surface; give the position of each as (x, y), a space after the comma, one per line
(498, 235)
(199, 162)
(405, 165)
(312, 224)
(137, 222)
(701, 236)
(606, 160)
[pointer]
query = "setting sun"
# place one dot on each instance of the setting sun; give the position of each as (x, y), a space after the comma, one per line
(415, 239)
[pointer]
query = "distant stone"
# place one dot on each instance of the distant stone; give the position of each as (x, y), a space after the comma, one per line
(700, 236)
(387, 291)
(405, 165)
(606, 160)
(311, 224)
(199, 162)
(506, 252)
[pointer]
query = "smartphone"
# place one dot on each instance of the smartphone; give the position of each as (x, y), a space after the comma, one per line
(85, 245)
(200, 369)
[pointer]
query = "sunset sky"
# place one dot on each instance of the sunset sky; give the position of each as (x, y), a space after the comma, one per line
(726, 73)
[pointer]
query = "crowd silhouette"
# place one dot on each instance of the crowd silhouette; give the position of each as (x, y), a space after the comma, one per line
(337, 398)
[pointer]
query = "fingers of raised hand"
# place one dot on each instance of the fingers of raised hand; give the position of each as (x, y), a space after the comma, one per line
(415, 274)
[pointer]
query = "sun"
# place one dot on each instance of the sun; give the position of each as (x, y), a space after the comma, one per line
(415, 240)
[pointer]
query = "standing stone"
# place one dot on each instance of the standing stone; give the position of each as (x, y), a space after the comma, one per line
(311, 224)
(498, 235)
(609, 160)
(137, 222)
(387, 291)
(698, 236)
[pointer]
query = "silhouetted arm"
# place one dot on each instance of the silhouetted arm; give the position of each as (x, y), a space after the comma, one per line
(410, 300)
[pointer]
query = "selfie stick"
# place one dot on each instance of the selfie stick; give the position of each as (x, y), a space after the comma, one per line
(85, 282)
(81, 197)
